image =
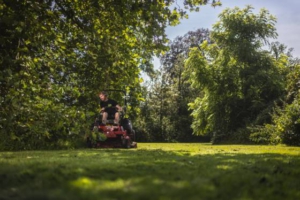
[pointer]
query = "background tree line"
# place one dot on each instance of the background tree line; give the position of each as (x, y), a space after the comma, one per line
(235, 90)
(56, 55)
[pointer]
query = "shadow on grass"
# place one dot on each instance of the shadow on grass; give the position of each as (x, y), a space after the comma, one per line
(147, 174)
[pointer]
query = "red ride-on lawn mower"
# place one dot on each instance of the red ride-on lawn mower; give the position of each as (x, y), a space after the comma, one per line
(110, 135)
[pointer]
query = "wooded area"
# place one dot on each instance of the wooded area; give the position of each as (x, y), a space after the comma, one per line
(220, 84)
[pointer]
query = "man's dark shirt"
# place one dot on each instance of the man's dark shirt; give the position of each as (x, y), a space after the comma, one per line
(109, 105)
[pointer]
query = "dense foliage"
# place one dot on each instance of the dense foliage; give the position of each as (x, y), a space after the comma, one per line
(285, 126)
(241, 82)
(165, 113)
(56, 55)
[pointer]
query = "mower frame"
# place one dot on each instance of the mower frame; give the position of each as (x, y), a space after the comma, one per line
(110, 135)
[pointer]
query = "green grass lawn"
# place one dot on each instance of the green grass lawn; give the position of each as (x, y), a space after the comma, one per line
(153, 171)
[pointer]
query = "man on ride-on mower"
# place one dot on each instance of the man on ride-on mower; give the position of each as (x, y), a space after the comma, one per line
(109, 107)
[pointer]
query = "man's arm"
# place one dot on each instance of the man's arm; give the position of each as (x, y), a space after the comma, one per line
(102, 106)
(119, 108)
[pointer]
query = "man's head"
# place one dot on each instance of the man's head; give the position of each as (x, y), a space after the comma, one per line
(103, 96)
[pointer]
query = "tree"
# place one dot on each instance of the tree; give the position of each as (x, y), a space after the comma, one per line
(57, 54)
(165, 111)
(285, 125)
(240, 81)
(173, 67)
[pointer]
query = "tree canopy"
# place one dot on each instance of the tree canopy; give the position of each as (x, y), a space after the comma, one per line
(240, 81)
(57, 54)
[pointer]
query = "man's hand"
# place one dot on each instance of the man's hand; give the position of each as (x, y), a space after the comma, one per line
(119, 108)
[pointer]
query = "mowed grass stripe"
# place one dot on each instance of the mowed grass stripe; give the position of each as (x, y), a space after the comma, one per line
(153, 171)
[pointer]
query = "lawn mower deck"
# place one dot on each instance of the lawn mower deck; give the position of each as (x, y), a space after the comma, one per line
(114, 136)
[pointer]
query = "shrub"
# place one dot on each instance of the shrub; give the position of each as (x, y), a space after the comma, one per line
(288, 123)
(285, 128)
(267, 134)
